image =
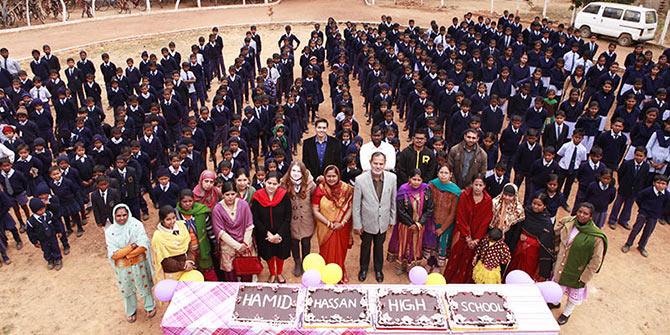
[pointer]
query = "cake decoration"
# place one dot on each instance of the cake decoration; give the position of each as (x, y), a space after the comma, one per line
(271, 304)
(336, 307)
(410, 309)
(486, 310)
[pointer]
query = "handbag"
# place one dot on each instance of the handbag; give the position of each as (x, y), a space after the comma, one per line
(247, 265)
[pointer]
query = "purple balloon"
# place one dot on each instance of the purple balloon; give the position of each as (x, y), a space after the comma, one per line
(551, 291)
(418, 275)
(311, 278)
(518, 277)
(164, 290)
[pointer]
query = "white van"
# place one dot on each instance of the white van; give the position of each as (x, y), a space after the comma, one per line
(623, 22)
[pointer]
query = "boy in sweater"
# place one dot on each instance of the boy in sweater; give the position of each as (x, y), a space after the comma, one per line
(651, 201)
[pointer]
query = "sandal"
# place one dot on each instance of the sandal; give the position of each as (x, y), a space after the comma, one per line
(272, 279)
(282, 280)
(151, 313)
(131, 318)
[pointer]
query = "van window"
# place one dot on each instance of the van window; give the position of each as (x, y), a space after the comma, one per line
(632, 16)
(591, 9)
(612, 13)
(650, 17)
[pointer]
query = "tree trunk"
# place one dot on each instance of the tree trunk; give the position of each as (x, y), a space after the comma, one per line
(199, 3)
(176, 5)
(148, 6)
(5, 13)
(93, 8)
(28, 12)
(62, 4)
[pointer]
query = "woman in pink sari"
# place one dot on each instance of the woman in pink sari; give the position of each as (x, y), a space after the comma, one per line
(331, 204)
(205, 192)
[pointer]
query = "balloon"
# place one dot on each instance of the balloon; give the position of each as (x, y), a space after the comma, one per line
(331, 274)
(164, 290)
(311, 278)
(313, 261)
(192, 276)
(418, 275)
(551, 291)
(436, 279)
(518, 277)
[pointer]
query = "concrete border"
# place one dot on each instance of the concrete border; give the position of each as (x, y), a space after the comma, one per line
(114, 17)
(149, 35)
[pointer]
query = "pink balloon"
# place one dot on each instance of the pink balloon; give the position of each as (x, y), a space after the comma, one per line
(518, 277)
(418, 275)
(551, 291)
(311, 278)
(164, 290)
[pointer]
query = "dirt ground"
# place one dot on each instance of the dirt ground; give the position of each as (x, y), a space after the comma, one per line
(625, 298)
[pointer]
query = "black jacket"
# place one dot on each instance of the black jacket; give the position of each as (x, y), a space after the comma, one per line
(332, 155)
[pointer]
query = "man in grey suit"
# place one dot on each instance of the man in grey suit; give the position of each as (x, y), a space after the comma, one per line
(374, 212)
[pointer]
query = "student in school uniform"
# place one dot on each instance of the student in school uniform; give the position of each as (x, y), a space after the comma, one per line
(528, 151)
(75, 80)
(496, 181)
(129, 186)
(651, 202)
(572, 155)
(67, 192)
(509, 143)
(103, 200)
(556, 133)
(165, 192)
(588, 172)
(631, 177)
(613, 144)
(54, 84)
(539, 173)
(601, 194)
(178, 173)
(7, 222)
(14, 184)
(38, 66)
(43, 232)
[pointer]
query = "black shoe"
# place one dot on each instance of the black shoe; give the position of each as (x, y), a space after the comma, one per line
(554, 306)
(69, 232)
(22, 228)
(362, 275)
(379, 276)
(19, 245)
(80, 232)
(66, 251)
(626, 226)
(562, 319)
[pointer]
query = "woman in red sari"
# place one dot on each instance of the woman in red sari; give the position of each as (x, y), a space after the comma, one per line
(331, 204)
(473, 215)
(532, 241)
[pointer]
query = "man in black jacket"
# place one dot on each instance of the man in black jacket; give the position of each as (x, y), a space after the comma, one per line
(321, 150)
(632, 175)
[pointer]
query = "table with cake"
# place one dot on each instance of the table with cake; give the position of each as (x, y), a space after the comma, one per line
(256, 308)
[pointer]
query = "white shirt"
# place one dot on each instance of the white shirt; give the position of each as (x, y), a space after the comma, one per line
(570, 59)
(10, 65)
(566, 154)
(369, 148)
(188, 75)
(40, 93)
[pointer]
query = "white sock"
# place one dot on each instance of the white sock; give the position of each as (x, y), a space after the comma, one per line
(569, 308)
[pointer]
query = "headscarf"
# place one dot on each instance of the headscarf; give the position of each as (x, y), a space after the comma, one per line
(339, 194)
(282, 139)
(207, 198)
(118, 236)
(450, 186)
(264, 199)
(406, 190)
(504, 218)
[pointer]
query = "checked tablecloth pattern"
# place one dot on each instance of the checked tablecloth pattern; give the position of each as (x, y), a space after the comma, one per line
(207, 308)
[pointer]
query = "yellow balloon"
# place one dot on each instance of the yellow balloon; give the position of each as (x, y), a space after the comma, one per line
(331, 274)
(313, 261)
(436, 279)
(192, 276)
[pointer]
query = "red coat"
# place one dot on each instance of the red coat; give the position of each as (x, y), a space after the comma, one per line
(471, 220)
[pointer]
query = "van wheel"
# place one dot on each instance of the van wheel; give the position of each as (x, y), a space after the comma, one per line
(625, 40)
(586, 31)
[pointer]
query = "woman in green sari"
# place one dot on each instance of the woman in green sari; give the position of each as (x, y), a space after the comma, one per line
(128, 250)
(197, 218)
(445, 197)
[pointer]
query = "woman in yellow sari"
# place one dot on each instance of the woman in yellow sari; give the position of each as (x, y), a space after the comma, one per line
(171, 246)
(331, 204)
